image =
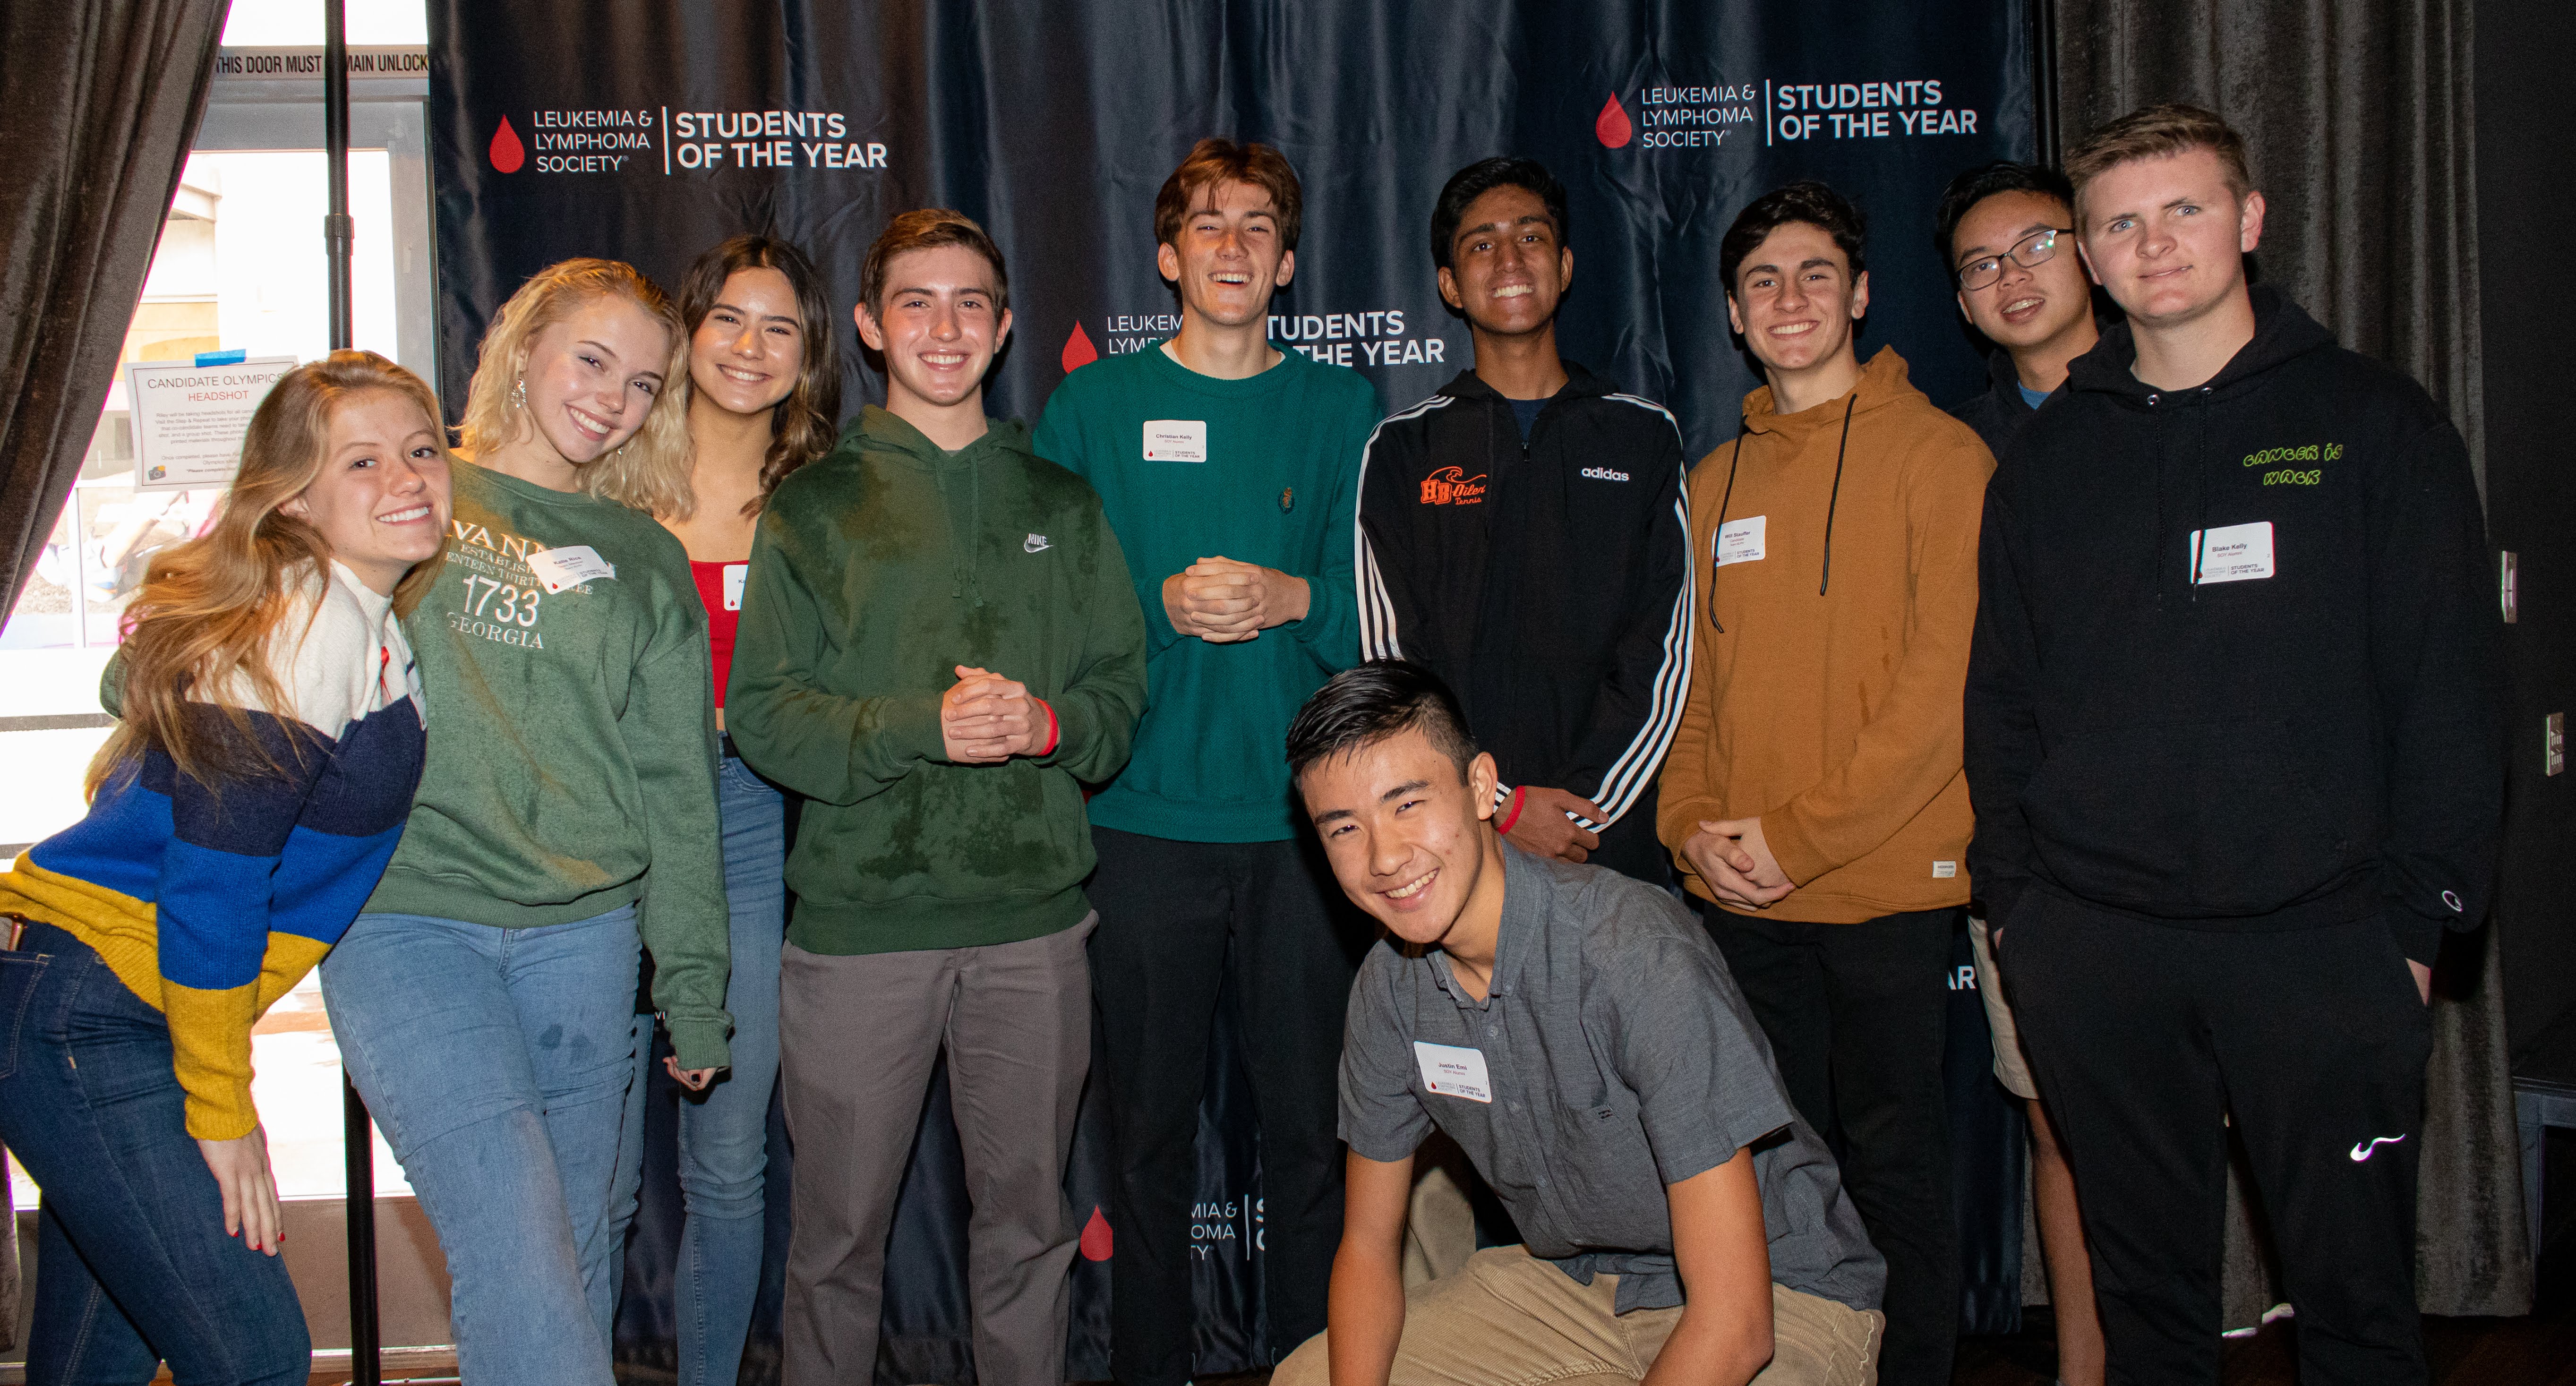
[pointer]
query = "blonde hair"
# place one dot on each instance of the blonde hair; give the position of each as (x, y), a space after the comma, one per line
(209, 608)
(2160, 132)
(648, 472)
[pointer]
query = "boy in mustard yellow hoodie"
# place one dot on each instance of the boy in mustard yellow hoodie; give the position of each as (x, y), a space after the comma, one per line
(1813, 796)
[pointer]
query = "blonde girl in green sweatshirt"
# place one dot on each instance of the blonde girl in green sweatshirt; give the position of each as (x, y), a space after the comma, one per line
(566, 816)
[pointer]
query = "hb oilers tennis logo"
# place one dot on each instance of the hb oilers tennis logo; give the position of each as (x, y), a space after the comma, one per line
(1452, 486)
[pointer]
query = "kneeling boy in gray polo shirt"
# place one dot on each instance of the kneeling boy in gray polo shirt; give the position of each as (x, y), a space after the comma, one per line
(1578, 1036)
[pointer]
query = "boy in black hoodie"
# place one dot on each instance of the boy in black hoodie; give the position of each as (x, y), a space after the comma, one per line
(1522, 534)
(2233, 742)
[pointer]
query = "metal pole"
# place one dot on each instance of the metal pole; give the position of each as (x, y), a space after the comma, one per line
(2043, 64)
(357, 1131)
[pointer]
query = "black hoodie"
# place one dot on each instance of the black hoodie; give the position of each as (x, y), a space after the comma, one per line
(1998, 412)
(2245, 752)
(1547, 581)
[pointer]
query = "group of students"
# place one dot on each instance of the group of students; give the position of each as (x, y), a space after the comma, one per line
(1223, 673)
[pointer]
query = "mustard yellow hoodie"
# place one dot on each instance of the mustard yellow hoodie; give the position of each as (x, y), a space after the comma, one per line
(1826, 697)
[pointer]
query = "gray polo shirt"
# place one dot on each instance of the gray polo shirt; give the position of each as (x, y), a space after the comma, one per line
(1612, 1056)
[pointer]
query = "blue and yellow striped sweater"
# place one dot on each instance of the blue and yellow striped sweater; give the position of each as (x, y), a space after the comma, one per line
(210, 906)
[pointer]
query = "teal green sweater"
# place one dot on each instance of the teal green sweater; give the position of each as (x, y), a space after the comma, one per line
(572, 755)
(877, 571)
(1278, 488)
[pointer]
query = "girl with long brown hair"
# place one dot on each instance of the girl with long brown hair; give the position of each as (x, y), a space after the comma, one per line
(566, 817)
(269, 739)
(764, 396)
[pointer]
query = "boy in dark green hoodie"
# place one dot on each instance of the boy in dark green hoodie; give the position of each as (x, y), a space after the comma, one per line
(939, 642)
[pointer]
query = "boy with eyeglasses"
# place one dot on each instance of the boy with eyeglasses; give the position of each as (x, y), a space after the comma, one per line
(2005, 231)
(2232, 729)
(2003, 228)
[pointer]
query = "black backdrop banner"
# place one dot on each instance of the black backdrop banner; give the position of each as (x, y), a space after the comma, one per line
(648, 130)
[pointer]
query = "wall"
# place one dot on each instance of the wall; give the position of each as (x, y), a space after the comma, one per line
(2526, 203)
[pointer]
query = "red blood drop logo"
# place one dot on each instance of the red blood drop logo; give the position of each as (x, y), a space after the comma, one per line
(507, 152)
(1095, 1233)
(1078, 353)
(1611, 127)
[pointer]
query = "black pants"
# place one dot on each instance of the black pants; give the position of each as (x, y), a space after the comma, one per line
(2143, 1036)
(1857, 1016)
(1177, 921)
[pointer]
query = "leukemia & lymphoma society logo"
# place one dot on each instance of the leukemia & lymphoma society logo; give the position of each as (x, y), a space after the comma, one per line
(1676, 117)
(628, 139)
(1701, 117)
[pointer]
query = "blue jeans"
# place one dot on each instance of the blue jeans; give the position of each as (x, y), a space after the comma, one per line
(497, 1062)
(724, 1135)
(133, 1264)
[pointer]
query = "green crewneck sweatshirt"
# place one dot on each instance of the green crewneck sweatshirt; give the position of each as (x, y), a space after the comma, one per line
(1263, 470)
(876, 572)
(572, 756)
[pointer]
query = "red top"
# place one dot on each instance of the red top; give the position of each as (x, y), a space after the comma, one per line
(720, 588)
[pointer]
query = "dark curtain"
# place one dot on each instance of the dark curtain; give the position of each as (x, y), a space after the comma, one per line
(99, 100)
(2358, 121)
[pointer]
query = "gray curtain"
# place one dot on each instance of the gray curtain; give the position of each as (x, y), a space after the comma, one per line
(99, 100)
(2358, 121)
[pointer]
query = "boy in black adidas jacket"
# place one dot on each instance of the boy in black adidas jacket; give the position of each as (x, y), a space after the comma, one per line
(1522, 534)
(2233, 740)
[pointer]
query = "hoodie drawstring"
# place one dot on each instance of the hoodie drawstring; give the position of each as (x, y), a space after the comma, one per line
(1827, 575)
(1717, 534)
(963, 558)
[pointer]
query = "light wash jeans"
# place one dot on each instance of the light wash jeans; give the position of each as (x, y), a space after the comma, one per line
(497, 1062)
(724, 1134)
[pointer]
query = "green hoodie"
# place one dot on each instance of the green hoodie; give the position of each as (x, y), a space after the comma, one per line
(572, 752)
(877, 570)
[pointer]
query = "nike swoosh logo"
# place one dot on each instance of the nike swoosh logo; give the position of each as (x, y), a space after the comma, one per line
(2363, 1150)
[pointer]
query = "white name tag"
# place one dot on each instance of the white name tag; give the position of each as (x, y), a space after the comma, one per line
(1176, 440)
(1453, 1072)
(2237, 553)
(1740, 541)
(735, 574)
(570, 566)
(1944, 870)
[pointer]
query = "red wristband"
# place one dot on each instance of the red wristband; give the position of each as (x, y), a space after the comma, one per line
(1053, 734)
(1511, 817)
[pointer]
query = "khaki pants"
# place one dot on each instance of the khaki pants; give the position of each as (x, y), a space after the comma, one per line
(860, 1034)
(1510, 1319)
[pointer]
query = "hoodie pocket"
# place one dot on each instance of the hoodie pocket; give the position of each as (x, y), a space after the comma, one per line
(2234, 817)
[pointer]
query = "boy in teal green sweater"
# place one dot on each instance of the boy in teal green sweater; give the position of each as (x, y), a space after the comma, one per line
(939, 643)
(1229, 469)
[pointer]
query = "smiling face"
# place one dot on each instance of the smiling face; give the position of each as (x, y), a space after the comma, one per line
(747, 352)
(1228, 257)
(939, 326)
(1795, 299)
(592, 377)
(1506, 270)
(2167, 237)
(2024, 306)
(1407, 834)
(381, 497)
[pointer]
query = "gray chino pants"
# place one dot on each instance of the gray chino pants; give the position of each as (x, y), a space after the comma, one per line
(859, 1034)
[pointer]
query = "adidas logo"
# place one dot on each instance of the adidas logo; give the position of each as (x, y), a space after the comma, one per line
(1604, 474)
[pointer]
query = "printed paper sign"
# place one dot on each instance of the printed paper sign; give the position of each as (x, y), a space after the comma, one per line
(1176, 440)
(2237, 553)
(734, 575)
(189, 421)
(1453, 1072)
(575, 564)
(1740, 541)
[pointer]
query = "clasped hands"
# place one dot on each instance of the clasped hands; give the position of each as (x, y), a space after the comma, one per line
(1736, 864)
(985, 719)
(1222, 601)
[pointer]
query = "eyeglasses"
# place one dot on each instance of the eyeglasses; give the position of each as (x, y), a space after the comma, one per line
(2030, 252)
